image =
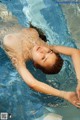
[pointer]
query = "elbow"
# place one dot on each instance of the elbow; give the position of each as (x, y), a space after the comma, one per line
(32, 85)
(75, 54)
(75, 51)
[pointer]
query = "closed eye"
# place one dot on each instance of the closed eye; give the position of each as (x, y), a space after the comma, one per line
(50, 51)
(43, 58)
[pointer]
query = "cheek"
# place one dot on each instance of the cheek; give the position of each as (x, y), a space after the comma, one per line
(52, 59)
(36, 56)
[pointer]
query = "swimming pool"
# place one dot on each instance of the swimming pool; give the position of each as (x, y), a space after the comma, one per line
(16, 97)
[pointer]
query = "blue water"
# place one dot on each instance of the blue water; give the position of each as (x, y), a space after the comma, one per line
(16, 97)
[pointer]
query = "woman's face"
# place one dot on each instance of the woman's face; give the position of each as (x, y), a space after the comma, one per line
(43, 56)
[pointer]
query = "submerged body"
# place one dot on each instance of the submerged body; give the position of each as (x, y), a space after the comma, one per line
(26, 45)
(24, 41)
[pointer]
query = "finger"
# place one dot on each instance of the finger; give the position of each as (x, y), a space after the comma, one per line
(77, 104)
(78, 94)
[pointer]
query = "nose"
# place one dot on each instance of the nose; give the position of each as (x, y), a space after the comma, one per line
(47, 55)
(42, 54)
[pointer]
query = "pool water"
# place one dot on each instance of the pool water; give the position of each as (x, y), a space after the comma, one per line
(55, 21)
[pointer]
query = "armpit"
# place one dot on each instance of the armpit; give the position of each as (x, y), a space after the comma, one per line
(12, 55)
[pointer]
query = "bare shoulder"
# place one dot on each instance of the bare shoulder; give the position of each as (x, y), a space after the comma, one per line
(34, 30)
(31, 31)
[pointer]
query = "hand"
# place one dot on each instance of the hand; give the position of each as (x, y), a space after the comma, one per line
(72, 98)
(78, 90)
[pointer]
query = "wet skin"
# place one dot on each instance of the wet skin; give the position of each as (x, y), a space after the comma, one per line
(43, 56)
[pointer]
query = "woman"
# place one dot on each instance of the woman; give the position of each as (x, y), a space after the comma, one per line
(26, 45)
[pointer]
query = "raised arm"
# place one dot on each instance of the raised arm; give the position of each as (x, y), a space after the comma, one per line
(19, 63)
(28, 78)
(75, 55)
(44, 88)
(33, 83)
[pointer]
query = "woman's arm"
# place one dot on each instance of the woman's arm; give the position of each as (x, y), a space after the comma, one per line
(37, 85)
(19, 64)
(46, 89)
(75, 55)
